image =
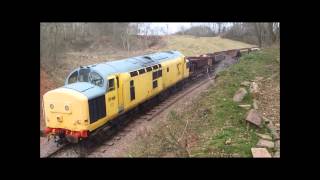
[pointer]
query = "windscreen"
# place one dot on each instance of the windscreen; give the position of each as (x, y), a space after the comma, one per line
(86, 75)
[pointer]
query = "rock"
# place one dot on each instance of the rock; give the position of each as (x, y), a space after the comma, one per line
(239, 95)
(277, 125)
(236, 155)
(254, 117)
(266, 120)
(255, 104)
(254, 88)
(260, 153)
(275, 135)
(273, 130)
(277, 144)
(228, 142)
(264, 136)
(170, 154)
(245, 106)
(245, 83)
(110, 143)
(265, 144)
(117, 138)
(277, 154)
(259, 78)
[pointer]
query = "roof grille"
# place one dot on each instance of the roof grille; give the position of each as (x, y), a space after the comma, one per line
(147, 57)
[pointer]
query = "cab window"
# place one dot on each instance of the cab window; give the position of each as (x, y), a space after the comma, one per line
(96, 79)
(84, 75)
(111, 85)
(73, 78)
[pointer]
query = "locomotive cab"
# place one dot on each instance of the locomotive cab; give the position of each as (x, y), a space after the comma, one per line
(72, 110)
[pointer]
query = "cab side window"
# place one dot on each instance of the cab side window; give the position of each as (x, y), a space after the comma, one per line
(73, 78)
(111, 85)
(96, 79)
(132, 93)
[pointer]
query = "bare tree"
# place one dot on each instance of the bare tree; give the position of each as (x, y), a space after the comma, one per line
(258, 27)
(162, 31)
(125, 36)
(219, 28)
(213, 27)
(182, 29)
(277, 31)
(271, 32)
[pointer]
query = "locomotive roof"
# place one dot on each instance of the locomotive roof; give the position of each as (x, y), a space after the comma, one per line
(124, 65)
(134, 63)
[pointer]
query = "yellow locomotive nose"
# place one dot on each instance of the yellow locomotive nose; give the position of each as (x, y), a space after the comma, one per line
(66, 109)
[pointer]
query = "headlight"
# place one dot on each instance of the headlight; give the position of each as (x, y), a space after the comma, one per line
(51, 106)
(59, 118)
(66, 108)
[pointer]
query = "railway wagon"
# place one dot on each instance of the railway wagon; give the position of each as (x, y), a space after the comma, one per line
(95, 94)
(205, 63)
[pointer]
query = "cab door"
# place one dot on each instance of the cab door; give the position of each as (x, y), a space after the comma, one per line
(120, 94)
(112, 96)
(179, 71)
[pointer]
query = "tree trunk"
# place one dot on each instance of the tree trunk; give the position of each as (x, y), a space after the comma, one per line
(271, 33)
(55, 43)
(257, 28)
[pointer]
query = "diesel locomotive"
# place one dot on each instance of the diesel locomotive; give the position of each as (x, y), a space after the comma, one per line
(95, 94)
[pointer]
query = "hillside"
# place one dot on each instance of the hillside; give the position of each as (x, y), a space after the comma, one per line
(190, 45)
(103, 51)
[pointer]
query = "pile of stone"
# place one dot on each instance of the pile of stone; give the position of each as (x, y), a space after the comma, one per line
(266, 142)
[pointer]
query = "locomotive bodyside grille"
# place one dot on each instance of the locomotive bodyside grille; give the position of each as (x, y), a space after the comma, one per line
(97, 108)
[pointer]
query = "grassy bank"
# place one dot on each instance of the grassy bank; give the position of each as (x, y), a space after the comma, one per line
(214, 125)
(193, 46)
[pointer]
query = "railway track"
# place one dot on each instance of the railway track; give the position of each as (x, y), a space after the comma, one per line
(85, 148)
(49, 147)
(149, 114)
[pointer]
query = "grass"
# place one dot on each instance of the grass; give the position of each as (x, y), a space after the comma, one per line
(191, 46)
(216, 125)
